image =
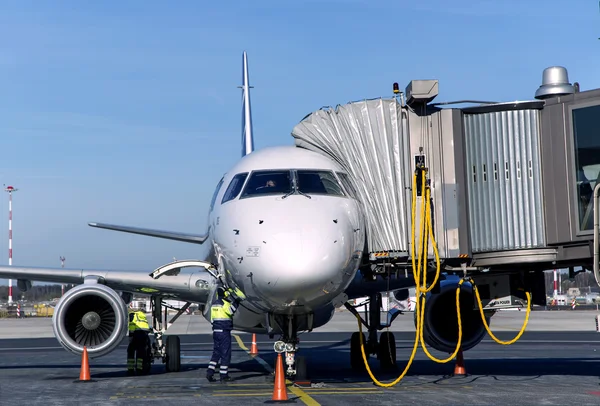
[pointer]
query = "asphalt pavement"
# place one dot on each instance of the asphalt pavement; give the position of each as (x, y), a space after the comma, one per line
(551, 368)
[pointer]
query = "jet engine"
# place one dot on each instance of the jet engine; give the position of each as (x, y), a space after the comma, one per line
(90, 315)
(440, 327)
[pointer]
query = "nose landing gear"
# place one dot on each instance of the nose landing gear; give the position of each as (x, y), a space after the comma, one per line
(295, 365)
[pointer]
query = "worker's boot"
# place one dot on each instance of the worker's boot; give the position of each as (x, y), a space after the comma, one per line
(210, 378)
(226, 378)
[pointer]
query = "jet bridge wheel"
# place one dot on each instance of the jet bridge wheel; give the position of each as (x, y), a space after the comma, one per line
(356, 359)
(386, 352)
(173, 354)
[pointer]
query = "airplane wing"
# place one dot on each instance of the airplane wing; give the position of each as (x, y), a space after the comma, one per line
(93, 314)
(169, 235)
(187, 286)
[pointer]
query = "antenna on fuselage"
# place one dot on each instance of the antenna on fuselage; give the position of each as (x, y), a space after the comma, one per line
(247, 133)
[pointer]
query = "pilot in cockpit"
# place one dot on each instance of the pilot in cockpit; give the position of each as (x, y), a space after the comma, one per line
(269, 184)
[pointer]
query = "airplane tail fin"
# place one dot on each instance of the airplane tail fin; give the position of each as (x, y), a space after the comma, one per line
(247, 135)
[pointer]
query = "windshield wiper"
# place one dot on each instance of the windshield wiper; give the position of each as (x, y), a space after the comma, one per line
(295, 192)
(304, 194)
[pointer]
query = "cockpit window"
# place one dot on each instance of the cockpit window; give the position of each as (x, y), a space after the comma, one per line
(263, 183)
(318, 182)
(214, 197)
(235, 187)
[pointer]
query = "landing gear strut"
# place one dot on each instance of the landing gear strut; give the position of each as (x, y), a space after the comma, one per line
(385, 349)
(288, 344)
(169, 351)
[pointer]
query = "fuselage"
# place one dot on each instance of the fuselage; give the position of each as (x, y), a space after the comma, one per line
(283, 228)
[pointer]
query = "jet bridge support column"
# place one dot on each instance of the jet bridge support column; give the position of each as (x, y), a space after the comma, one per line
(596, 256)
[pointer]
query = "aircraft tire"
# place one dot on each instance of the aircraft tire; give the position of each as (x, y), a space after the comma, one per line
(173, 354)
(387, 350)
(301, 370)
(356, 359)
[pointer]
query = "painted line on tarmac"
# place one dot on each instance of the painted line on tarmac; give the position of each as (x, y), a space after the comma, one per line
(243, 394)
(256, 357)
(30, 348)
(268, 367)
(303, 396)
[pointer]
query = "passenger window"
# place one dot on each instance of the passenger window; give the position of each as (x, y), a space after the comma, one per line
(587, 161)
(318, 182)
(214, 198)
(235, 187)
(347, 183)
(268, 183)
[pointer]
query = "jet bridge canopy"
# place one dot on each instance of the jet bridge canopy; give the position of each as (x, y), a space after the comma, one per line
(366, 138)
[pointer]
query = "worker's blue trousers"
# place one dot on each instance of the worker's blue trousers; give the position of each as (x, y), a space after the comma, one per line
(221, 352)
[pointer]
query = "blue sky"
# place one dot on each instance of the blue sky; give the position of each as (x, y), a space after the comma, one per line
(129, 112)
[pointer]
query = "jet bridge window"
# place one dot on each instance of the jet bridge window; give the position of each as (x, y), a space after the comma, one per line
(263, 183)
(318, 182)
(586, 122)
(235, 187)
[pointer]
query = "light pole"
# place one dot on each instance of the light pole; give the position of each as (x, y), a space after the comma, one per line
(10, 191)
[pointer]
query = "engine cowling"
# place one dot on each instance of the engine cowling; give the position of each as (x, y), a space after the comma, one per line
(90, 315)
(440, 329)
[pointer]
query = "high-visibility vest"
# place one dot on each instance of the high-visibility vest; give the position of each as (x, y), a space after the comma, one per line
(138, 321)
(221, 314)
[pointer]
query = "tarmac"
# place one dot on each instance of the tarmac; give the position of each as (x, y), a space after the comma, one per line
(554, 363)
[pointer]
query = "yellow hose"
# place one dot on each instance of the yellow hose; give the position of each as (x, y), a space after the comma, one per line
(426, 230)
(514, 340)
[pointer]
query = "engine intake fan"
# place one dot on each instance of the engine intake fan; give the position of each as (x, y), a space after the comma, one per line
(440, 329)
(93, 316)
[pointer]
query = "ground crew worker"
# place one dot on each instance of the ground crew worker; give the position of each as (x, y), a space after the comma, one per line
(222, 310)
(139, 343)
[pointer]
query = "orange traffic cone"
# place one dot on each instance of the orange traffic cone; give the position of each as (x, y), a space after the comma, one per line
(84, 375)
(254, 348)
(280, 390)
(459, 368)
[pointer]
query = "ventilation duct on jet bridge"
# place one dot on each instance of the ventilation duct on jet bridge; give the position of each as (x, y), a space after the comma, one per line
(555, 82)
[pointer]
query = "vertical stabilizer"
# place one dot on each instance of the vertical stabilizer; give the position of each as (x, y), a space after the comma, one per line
(247, 136)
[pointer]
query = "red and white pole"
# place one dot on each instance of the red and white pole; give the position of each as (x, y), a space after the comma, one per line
(555, 284)
(10, 191)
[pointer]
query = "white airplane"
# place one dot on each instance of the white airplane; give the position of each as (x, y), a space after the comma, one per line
(283, 228)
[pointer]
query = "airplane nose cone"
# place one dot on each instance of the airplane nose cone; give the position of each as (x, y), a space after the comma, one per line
(307, 256)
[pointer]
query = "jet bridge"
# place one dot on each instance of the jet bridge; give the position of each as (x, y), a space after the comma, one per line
(511, 182)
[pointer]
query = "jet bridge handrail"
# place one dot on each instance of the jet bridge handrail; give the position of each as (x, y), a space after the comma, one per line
(596, 256)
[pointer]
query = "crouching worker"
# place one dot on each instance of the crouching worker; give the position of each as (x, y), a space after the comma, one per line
(138, 351)
(222, 310)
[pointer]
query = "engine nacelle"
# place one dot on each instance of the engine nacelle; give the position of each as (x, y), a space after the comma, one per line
(440, 327)
(90, 315)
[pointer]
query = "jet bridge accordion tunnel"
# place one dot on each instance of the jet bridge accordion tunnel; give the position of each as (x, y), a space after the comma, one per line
(511, 183)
